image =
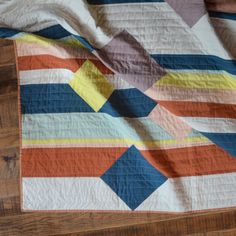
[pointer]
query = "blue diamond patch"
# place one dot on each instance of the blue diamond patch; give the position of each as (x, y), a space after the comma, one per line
(133, 178)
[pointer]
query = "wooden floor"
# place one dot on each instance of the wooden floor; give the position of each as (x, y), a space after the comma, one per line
(14, 222)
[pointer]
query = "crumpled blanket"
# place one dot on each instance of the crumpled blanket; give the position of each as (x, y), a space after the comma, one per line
(125, 105)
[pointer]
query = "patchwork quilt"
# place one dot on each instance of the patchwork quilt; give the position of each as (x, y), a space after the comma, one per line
(125, 105)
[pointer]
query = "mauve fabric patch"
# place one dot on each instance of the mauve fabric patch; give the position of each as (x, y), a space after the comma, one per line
(126, 57)
(190, 11)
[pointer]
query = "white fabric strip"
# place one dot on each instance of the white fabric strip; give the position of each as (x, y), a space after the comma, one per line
(212, 125)
(69, 194)
(154, 25)
(193, 193)
(175, 195)
(50, 76)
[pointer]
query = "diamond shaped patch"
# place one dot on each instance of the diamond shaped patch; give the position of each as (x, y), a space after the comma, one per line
(91, 85)
(133, 178)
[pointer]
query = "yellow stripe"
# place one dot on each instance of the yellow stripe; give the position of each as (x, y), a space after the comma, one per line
(45, 41)
(73, 42)
(149, 143)
(198, 80)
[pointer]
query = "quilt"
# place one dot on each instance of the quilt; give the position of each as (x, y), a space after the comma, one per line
(125, 105)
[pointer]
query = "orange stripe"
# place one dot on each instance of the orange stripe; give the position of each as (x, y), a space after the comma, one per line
(70, 162)
(191, 161)
(52, 62)
(200, 109)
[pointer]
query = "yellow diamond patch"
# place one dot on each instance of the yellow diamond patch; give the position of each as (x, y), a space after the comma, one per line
(90, 84)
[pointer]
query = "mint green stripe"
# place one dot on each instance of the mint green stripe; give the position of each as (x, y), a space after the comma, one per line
(89, 125)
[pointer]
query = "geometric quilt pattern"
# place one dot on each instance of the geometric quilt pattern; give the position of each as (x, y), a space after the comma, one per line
(124, 105)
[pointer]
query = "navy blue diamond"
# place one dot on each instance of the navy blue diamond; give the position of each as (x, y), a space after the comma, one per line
(133, 178)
